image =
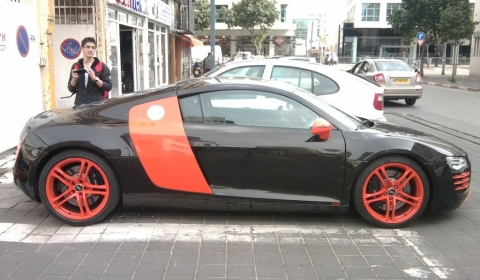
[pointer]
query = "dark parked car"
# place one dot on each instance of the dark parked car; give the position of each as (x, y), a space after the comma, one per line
(260, 141)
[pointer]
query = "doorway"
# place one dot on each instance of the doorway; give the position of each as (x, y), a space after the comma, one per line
(128, 58)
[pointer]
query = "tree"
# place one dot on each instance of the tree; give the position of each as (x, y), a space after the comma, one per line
(456, 23)
(202, 14)
(256, 16)
(415, 16)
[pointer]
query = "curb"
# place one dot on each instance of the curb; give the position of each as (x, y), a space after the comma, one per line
(471, 89)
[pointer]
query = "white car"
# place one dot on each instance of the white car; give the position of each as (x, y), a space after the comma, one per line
(349, 93)
(299, 58)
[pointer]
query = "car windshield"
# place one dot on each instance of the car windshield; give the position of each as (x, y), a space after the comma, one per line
(394, 65)
(346, 119)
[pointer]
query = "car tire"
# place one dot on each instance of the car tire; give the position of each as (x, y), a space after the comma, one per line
(395, 204)
(410, 101)
(62, 190)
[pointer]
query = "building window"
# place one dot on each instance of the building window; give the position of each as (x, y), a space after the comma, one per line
(371, 12)
(283, 13)
(74, 12)
(220, 12)
(391, 7)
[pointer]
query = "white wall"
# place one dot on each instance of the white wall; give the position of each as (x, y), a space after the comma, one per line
(20, 86)
(63, 64)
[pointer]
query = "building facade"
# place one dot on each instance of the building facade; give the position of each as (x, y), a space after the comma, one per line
(367, 33)
(475, 50)
(145, 43)
(280, 39)
(22, 67)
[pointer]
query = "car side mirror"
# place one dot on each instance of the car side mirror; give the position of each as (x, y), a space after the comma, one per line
(322, 128)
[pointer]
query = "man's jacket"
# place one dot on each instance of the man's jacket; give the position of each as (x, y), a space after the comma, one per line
(92, 92)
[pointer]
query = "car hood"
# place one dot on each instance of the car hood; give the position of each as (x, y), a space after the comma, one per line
(440, 145)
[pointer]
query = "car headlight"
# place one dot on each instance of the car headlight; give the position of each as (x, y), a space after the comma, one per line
(457, 163)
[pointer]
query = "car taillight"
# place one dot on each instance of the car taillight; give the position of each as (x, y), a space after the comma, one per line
(379, 78)
(378, 101)
(419, 78)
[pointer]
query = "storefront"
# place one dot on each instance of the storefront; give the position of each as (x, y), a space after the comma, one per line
(137, 44)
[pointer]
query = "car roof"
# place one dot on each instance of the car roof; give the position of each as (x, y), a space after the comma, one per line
(202, 84)
(280, 62)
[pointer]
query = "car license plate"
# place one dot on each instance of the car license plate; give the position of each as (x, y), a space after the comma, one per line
(401, 80)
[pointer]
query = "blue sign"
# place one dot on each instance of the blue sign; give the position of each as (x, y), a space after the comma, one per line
(23, 42)
(420, 35)
(70, 48)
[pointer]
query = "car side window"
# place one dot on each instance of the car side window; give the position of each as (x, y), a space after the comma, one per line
(246, 71)
(323, 85)
(255, 108)
(191, 109)
(294, 76)
(358, 68)
(365, 67)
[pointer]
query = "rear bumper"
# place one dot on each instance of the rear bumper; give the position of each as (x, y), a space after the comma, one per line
(403, 92)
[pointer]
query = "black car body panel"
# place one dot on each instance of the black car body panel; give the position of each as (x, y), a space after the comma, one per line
(254, 163)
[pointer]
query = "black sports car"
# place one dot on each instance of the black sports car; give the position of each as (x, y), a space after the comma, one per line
(239, 139)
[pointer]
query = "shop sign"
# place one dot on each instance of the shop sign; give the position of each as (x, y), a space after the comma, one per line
(219, 40)
(131, 4)
(3, 42)
(160, 11)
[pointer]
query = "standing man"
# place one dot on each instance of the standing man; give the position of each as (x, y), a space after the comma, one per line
(206, 63)
(89, 81)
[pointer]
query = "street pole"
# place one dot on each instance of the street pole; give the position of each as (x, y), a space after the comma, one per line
(444, 57)
(212, 33)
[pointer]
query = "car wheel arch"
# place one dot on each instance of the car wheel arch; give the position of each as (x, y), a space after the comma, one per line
(43, 162)
(403, 158)
(402, 153)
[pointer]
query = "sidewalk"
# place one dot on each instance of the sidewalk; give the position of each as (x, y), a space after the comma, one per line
(6, 162)
(433, 77)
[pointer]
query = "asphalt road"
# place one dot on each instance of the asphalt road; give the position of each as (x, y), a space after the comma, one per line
(137, 243)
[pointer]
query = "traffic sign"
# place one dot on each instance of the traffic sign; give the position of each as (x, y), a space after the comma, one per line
(23, 43)
(279, 40)
(420, 38)
(70, 48)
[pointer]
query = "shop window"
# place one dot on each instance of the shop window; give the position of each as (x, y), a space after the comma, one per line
(220, 12)
(371, 12)
(74, 12)
(283, 13)
(391, 7)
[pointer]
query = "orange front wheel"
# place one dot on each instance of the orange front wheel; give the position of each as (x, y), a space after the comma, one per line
(391, 192)
(79, 188)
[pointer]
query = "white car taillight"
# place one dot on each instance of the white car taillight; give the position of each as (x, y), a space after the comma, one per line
(419, 78)
(379, 78)
(378, 101)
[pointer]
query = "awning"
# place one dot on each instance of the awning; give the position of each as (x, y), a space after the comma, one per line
(195, 41)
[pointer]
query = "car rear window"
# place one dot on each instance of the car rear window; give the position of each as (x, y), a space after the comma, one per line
(394, 65)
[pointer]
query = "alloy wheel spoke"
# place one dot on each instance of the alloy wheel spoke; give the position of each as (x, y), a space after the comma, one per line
(381, 198)
(94, 192)
(375, 194)
(383, 176)
(57, 202)
(387, 209)
(80, 205)
(83, 176)
(87, 207)
(406, 178)
(415, 203)
(63, 177)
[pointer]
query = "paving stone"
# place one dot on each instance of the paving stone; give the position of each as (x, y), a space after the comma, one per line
(212, 258)
(240, 271)
(360, 272)
(271, 271)
(31, 268)
(271, 259)
(150, 270)
(389, 272)
(61, 269)
(300, 271)
(211, 270)
(330, 272)
(88, 269)
(181, 269)
(120, 270)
